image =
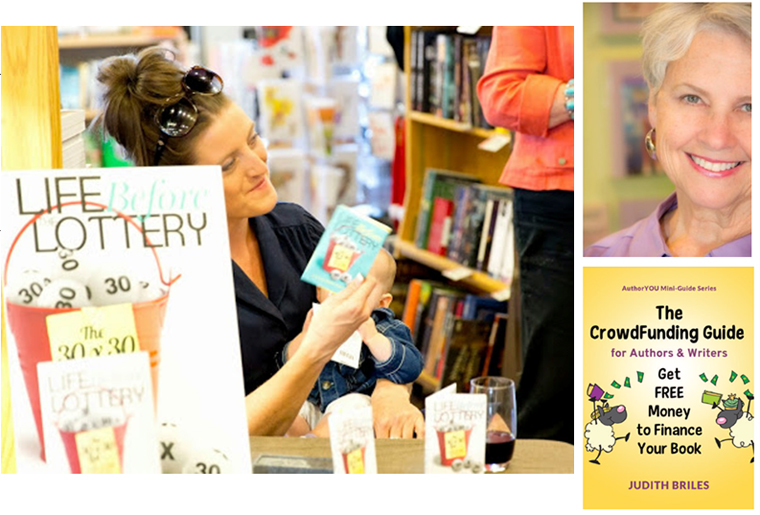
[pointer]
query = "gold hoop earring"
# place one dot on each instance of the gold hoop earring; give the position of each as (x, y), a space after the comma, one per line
(649, 143)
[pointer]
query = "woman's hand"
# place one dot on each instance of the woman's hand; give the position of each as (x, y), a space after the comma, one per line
(394, 416)
(338, 317)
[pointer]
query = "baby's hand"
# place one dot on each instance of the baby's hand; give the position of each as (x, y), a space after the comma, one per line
(367, 330)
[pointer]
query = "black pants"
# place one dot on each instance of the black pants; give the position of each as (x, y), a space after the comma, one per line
(544, 242)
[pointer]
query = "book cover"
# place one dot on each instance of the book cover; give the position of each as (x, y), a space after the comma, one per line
(435, 320)
(97, 415)
(462, 205)
(668, 388)
(321, 113)
(455, 432)
(347, 248)
(486, 233)
(345, 92)
(414, 69)
(346, 157)
(457, 88)
(412, 300)
(474, 219)
(479, 307)
(281, 110)
(421, 314)
(466, 348)
(492, 364)
(382, 77)
(145, 251)
(437, 183)
(352, 441)
(439, 225)
(287, 171)
(383, 140)
(502, 243)
(428, 72)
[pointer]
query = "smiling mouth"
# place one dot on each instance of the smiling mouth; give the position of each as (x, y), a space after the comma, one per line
(714, 166)
(259, 184)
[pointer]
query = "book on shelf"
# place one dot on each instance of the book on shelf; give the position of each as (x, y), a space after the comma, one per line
(466, 347)
(72, 140)
(437, 184)
(441, 306)
(486, 233)
(420, 311)
(496, 361)
(433, 312)
(481, 307)
(440, 222)
(445, 68)
(500, 260)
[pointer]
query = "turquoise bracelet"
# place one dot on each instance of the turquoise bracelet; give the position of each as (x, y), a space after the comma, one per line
(570, 98)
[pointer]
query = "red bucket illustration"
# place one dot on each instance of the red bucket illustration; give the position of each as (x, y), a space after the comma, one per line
(339, 258)
(453, 444)
(95, 444)
(354, 461)
(29, 327)
(100, 457)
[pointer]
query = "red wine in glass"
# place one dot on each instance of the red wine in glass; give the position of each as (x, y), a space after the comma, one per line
(500, 446)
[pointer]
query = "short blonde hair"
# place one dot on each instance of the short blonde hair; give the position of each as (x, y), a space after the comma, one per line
(667, 33)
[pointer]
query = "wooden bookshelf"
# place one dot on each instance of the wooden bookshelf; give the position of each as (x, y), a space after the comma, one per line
(435, 142)
(451, 125)
(31, 139)
(109, 41)
(478, 280)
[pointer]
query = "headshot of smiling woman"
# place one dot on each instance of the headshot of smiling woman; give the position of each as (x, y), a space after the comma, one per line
(697, 62)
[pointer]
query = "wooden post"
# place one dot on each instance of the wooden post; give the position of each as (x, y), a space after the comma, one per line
(31, 139)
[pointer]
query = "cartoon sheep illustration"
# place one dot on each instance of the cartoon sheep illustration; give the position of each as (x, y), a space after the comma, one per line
(599, 433)
(740, 423)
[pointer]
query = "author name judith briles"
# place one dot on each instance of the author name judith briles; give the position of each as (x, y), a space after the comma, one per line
(669, 485)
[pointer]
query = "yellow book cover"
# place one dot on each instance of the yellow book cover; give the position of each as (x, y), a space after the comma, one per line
(668, 388)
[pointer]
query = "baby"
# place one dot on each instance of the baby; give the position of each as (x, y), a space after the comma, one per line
(388, 353)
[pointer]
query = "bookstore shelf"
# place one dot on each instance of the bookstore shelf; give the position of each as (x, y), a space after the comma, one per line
(451, 143)
(478, 280)
(452, 125)
(109, 41)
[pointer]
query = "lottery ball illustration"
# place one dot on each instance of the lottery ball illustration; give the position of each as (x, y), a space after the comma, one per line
(174, 450)
(210, 461)
(110, 287)
(64, 293)
(26, 287)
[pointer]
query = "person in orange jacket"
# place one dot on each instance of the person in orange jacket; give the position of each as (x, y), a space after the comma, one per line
(528, 87)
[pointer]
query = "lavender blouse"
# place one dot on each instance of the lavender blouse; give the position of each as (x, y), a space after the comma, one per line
(644, 239)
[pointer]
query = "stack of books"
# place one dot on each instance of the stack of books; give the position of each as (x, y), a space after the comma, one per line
(467, 222)
(72, 129)
(460, 335)
(445, 69)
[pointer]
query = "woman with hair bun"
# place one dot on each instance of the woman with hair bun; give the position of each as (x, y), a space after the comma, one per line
(697, 61)
(164, 115)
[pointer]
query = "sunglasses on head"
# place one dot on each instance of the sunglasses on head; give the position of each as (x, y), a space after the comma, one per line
(179, 114)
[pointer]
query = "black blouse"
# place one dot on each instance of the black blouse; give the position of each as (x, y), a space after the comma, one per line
(287, 238)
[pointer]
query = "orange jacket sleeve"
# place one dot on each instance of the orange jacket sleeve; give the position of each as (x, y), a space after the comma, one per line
(516, 90)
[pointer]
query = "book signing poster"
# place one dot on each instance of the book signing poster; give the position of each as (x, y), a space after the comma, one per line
(121, 325)
(668, 388)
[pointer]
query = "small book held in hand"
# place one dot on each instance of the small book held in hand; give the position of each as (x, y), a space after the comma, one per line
(347, 248)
